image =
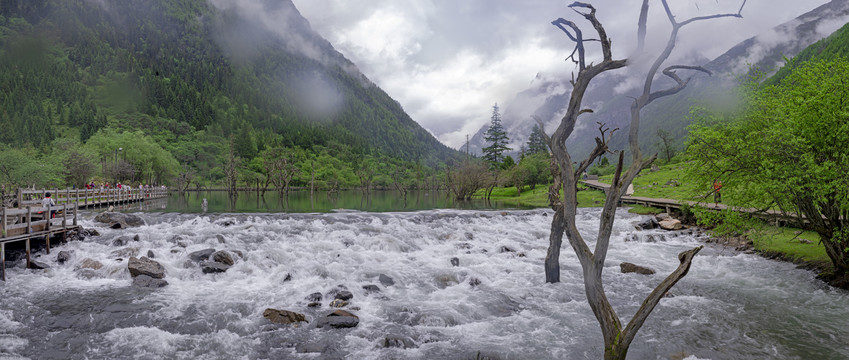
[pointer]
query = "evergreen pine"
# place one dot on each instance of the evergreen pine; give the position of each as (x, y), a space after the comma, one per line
(497, 138)
(536, 142)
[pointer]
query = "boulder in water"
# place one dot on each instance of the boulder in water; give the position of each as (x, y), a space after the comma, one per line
(121, 241)
(371, 288)
(118, 220)
(201, 255)
(344, 295)
(220, 239)
(145, 266)
(283, 316)
(63, 257)
(474, 282)
(627, 267)
(671, 224)
(648, 223)
(150, 254)
(338, 303)
(145, 281)
(209, 267)
(455, 261)
(339, 319)
(385, 280)
(125, 252)
(314, 297)
(399, 341)
(36, 265)
(223, 257)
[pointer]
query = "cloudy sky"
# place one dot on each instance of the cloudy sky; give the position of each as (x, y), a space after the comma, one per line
(448, 61)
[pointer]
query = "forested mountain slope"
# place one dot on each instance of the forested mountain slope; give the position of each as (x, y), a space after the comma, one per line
(190, 75)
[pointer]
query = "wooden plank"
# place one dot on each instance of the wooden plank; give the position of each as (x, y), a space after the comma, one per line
(3, 261)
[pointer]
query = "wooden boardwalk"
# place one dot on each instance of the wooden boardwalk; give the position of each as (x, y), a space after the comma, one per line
(669, 204)
(30, 220)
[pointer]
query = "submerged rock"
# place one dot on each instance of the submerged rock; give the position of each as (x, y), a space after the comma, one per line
(145, 281)
(399, 341)
(37, 265)
(627, 267)
(474, 282)
(121, 241)
(385, 280)
(455, 261)
(145, 266)
(371, 289)
(220, 239)
(647, 224)
(314, 297)
(339, 319)
(283, 316)
(90, 264)
(338, 303)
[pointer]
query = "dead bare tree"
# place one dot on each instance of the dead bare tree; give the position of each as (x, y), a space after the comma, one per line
(617, 338)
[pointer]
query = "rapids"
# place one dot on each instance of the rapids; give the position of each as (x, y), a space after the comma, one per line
(730, 306)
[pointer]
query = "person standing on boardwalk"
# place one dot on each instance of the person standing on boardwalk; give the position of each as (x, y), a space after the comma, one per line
(717, 196)
(48, 203)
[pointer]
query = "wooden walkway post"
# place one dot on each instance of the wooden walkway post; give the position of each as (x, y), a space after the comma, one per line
(3, 223)
(3, 261)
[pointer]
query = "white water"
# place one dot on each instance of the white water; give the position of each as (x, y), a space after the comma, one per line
(730, 306)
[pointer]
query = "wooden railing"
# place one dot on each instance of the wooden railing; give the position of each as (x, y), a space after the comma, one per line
(89, 197)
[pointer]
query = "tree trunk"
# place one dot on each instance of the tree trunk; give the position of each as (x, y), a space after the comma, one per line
(555, 241)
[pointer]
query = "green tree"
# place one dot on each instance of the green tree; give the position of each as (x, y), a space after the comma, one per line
(497, 138)
(536, 142)
(786, 150)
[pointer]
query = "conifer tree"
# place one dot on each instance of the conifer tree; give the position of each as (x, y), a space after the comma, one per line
(497, 139)
(536, 142)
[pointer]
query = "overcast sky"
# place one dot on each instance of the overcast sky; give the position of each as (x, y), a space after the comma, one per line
(448, 61)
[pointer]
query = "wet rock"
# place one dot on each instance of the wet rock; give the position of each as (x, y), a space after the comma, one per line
(474, 282)
(663, 216)
(399, 341)
(288, 277)
(338, 303)
(37, 265)
(174, 239)
(371, 289)
(210, 267)
(125, 252)
(648, 224)
(220, 239)
(446, 280)
(227, 222)
(504, 249)
(314, 297)
(223, 257)
(145, 281)
(63, 257)
(470, 236)
(201, 255)
(627, 267)
(137, 237)
(150, 254)
(117, 220)
(483, 356)
(121, 241)
(455, 261)
(176, 250)
(283, 316)
(344, 295)
(91, 264)
(314, 304)
(671, 224)
(339, 319)
(385, 280)
(145, 266)
(464, 246)
(238, 253)
(90, 232)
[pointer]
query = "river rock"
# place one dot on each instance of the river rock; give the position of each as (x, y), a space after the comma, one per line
(121, 241)
(63, 257)
(37, 265)
(224, 257)
(137, 237)
(371, 289)
(338, 303)
(627, 267)
(399, 341)
(201, 255)
(385, 280)
(145, 281)
(647, 224)
(125, 252)
(91, 264)
(209, 267)
(220, 239)
(474, 282)
(90, 232)
(455, 261)
(671, 224)
(145, 266)
(344, 295)
(119, 220)
(339, 319)
(314, 297)
(283, 316)
(504, 249)
(150, 254)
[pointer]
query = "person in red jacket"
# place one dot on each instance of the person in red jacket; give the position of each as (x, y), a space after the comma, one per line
(717, 196)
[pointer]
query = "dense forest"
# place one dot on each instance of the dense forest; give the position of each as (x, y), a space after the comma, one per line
(188, 94)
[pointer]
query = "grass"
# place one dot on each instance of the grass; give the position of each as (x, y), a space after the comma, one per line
(538, 197)
(784, 240)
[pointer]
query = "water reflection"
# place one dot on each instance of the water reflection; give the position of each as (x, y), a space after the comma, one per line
(301, 201)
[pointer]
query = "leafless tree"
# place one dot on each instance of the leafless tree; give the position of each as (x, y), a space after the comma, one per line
(281, 168)
(466, 178)
(617, 338)
(230, 170)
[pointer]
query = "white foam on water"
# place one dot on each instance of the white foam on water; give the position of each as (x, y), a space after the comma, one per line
(729, 306)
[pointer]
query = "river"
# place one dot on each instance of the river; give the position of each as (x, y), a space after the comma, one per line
(730, 306)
